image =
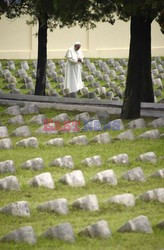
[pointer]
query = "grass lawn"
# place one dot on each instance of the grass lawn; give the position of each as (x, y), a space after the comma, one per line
(115, 215)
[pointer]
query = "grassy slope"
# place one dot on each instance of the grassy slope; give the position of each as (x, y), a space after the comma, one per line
(116, 216)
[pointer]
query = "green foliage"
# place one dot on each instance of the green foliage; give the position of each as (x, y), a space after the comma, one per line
(3, 7)
(103, 10)
(6, 7)
(58, 12)
(126, 9)
(160, 20)
(86, 13)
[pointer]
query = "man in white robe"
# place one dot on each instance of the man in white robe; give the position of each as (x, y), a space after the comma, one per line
(73, 80)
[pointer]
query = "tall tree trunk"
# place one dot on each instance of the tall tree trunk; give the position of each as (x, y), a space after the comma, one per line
(42, 58)
(147, 94)
(139, 83)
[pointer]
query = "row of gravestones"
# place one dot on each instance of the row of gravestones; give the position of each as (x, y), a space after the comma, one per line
(59, 142)
(118, 65)
(103, 138)
(55, 125)
(92, 124)
(87, 203)
(67, 162)
(76, 177)
(111, 62)
(83, 117)
(88, 78)
(64, 231)
(115, 92)
(104, 67)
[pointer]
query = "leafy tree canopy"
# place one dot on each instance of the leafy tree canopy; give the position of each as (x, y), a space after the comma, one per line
(145, 8)
(58, 12)
(104, 10)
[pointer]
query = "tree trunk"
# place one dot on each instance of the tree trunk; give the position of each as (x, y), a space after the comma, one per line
(147, 94)
(139, 82)
(42, 58)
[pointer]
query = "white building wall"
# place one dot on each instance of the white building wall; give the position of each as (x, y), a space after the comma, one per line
(18, 40)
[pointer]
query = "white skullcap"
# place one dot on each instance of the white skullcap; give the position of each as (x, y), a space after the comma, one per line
(77, 43)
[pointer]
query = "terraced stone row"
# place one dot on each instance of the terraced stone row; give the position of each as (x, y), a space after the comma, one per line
(54, 125)
(64, 231)
(104, 138)
(67, 161)
(84, 117)
(73, 179)
(88, 202)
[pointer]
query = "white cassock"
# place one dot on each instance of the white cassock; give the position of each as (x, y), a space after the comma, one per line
(73, 80)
